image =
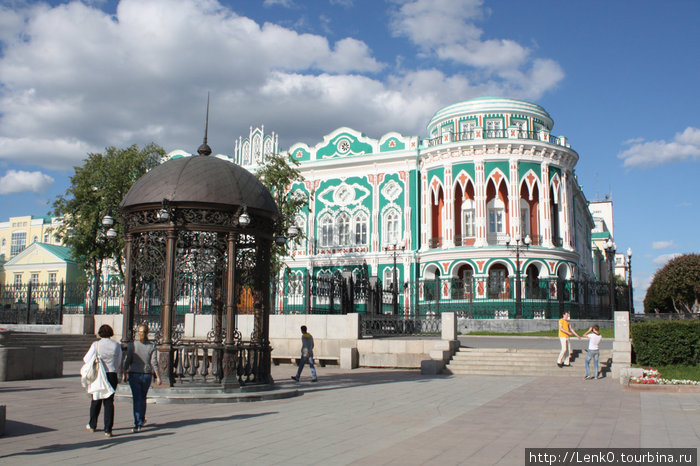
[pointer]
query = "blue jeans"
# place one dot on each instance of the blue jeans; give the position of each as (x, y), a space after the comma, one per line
(139, 383)
(303, 361)
(592, 354)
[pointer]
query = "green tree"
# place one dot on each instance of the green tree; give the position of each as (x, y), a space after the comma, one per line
(278, 174)
(676, 287)
(97, 188)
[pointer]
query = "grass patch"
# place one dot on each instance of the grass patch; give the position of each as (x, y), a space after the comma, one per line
(680, 372)
(605, 332)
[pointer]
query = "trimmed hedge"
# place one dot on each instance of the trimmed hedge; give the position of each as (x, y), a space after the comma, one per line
(666, 342)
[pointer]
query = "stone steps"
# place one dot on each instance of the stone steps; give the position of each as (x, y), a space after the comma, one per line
(74, 346)
(523, 362)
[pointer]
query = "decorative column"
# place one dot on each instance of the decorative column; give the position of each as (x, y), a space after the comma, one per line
(165, 349)
(425, 218)
(480, 201)
(544, 206)
(566, 214)
(514, 183)
(128, 299)
(449, 209)
(229, 357)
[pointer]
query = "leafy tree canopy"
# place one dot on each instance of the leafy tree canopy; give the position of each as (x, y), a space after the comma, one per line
(278, 174)
(676, 287)
(97, 188)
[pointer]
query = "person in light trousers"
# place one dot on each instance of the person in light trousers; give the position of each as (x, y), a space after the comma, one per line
(594, 338)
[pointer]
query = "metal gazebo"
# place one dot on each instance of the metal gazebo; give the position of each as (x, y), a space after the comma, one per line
(200, 226)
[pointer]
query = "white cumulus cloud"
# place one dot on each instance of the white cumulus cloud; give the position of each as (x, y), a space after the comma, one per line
(662, 244)
(661, 260)
(646, 154)
(18, 181)
(75, 79)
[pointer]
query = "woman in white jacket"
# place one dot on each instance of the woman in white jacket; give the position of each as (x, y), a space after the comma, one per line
(110, 352)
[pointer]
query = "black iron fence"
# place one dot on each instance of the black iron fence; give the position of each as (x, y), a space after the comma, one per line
(341, 293)
(475, 298)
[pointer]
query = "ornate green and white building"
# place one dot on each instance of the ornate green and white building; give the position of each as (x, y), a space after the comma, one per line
(451, 206)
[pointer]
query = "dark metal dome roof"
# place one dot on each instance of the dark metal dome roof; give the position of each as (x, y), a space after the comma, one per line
(200, 180)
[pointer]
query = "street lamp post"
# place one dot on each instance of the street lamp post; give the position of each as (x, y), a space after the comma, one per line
(394, 284)
(107, 233)
(629, 279)
(610, 249)
(518, 244)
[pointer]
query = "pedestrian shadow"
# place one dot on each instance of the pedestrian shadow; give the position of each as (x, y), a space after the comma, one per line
(121, 437)
(102, 444)
(190, 422)
(23, 389)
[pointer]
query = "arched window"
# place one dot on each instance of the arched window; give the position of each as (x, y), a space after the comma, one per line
(360, 229)
(524, 218)
(462, 284)
(245, 153)
(392, 223)
(326, 235)
(343, 227)
(498, 282)
(532, 284)
(299, 243)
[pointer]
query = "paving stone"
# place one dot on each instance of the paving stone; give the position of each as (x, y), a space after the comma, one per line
(363, 416)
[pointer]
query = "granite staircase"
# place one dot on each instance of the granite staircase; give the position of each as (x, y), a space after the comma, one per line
(74, 346)
(523, 362)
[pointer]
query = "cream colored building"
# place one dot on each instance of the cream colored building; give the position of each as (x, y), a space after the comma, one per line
(41, 263)
(19, 232)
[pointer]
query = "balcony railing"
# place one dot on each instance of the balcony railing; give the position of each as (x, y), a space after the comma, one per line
(434, 243)
(465, 240)
(510, 133)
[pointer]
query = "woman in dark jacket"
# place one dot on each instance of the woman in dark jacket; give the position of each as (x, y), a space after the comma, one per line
(141, 364)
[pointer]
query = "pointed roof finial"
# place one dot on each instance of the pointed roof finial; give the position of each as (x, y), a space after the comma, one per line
(204, 149)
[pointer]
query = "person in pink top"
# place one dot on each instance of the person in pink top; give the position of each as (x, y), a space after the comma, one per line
(594, 338)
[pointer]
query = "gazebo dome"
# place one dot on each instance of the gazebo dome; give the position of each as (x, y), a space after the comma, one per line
(200, 180)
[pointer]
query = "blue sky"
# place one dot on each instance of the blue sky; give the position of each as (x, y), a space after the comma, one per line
(620, 80)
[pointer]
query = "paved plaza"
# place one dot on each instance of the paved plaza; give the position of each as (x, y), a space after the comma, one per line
(364, 416)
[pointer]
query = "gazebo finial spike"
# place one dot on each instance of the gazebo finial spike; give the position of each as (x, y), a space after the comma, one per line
(204, 149)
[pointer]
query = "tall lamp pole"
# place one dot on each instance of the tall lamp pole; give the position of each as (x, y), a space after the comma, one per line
(610, 249)
(519, 243)
(629, 279)
(394, 284)
(107, 233)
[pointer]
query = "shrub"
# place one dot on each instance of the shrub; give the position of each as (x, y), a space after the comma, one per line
(663, 343)
(676, 287)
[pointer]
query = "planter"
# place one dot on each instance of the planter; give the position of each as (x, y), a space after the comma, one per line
(663, 388)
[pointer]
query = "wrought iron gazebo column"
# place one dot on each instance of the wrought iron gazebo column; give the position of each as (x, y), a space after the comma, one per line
(229, 362)
(128, 301)
(263, 262)
(165, 349)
